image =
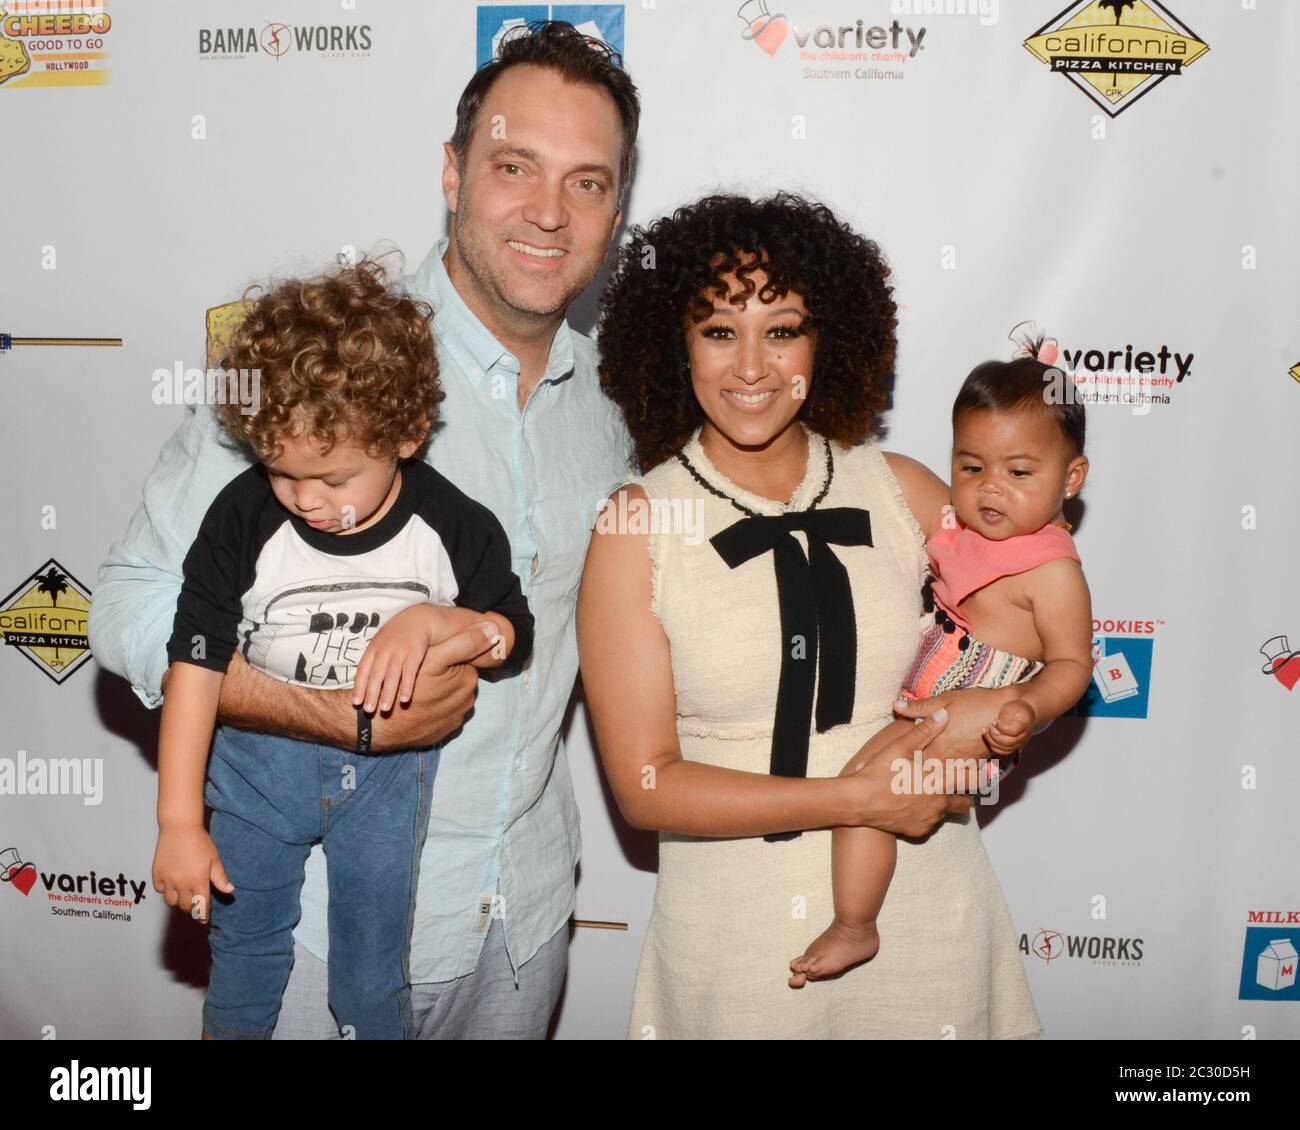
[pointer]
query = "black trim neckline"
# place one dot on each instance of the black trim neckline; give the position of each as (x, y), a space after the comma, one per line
(372, 537)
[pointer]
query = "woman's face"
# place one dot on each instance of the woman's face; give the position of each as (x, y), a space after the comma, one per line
(751, 365)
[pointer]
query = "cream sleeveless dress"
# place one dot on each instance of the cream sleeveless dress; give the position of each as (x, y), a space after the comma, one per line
(729, 914)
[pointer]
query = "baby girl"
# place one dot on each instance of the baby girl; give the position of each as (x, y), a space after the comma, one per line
(1012, 608)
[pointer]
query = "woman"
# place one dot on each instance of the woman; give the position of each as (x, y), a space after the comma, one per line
(731, 670)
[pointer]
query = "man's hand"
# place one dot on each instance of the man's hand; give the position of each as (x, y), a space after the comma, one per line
(393, 659)
(444, 693)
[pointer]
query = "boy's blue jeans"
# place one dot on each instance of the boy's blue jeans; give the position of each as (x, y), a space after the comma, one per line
(272, 798)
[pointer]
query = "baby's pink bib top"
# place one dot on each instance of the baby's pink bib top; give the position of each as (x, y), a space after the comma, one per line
(964, 560)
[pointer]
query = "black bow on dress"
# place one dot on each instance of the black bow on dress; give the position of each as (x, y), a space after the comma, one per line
(816, 605)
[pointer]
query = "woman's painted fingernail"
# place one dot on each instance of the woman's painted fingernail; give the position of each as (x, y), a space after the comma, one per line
(941, 714)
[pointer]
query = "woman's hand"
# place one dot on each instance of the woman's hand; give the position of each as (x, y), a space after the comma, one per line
(184, 864)
(877, 799)
(974, 728)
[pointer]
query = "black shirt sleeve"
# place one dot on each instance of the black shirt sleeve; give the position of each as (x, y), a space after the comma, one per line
(209, 609)
(480, 558)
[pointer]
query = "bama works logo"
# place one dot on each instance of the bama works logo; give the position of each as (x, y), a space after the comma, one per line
(1116, 51)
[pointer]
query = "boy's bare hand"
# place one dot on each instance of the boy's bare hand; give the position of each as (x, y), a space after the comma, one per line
(444, 693)
(387, 672)
(185, 868)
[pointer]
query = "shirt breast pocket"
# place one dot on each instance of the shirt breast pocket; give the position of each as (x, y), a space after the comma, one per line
(563, 539)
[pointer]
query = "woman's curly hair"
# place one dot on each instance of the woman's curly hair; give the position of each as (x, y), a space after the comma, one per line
(671, 270)
(343, 356)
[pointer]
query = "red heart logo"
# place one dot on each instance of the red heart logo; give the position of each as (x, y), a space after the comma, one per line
(1287, 671)
(770, 34)
(24, 877)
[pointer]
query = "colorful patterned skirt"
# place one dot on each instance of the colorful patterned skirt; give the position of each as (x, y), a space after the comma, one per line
(949, 658)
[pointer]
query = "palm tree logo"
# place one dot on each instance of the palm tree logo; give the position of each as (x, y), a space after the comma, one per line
(53, 582)
(1116, 6)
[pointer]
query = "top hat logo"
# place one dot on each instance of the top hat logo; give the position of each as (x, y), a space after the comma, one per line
(764, 28)
(14, 870)
(1282, 663)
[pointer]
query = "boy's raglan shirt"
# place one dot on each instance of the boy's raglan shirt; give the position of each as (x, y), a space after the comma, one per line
(300, 604)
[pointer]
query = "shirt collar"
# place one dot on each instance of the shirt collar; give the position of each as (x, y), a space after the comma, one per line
(467, 340)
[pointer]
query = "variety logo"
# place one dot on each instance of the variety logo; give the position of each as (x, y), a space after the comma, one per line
(599, 21)
(1121, 674)
(1128, 376)
(44, 618)
(1281, 662)
(275, 40)
(67, 47)
(1116, 51)
(857, 43)
(1268, 959)
(1050, 946)
(110, 898)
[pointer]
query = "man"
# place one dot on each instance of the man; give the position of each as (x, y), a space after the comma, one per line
(534, 177)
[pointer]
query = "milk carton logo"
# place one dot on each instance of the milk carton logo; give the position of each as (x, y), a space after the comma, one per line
(1269, 959)
(1122, 652)
(496, 21)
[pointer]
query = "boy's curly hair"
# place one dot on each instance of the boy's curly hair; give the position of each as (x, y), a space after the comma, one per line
(343, 356)
(670, 271)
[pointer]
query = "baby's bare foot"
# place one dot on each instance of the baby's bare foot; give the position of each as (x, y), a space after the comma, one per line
(837, 948)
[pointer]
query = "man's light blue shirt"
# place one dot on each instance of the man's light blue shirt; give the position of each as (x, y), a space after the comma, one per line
(503, 830)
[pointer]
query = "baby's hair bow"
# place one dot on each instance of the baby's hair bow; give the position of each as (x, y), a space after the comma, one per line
(1031, 342)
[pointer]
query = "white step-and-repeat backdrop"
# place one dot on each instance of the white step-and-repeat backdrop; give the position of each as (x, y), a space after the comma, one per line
(1124, 174)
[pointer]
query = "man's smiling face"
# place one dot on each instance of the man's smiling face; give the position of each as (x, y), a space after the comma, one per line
(536, 203)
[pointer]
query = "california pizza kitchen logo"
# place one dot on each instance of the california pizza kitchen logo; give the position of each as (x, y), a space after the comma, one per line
(45, 619)
(1116, 51)
(275, 40)
(1051, 945)
(108, 898)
